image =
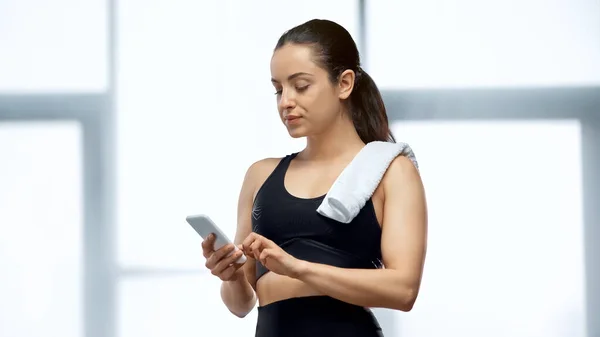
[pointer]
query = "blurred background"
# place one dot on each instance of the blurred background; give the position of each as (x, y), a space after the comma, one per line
(120, 117)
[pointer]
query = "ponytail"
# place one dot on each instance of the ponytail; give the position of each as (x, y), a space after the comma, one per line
(368, 110)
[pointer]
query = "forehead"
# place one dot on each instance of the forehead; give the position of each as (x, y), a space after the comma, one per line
(291, 59)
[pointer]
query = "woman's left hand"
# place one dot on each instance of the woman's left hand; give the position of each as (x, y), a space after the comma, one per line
(271, 255)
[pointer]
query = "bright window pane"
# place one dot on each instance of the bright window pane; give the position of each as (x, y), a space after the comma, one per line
(195, 109)
(505, 253)
(471, 43)
(53, 46)
(40, 230)
(184, 306)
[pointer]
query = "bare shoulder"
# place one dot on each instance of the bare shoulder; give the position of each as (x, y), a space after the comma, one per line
(401, 171)
(264, 166)
(260, 170)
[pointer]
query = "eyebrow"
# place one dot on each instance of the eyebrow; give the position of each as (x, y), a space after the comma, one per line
(292, 76)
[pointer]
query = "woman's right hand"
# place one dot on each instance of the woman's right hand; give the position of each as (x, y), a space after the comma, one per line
(219, 264)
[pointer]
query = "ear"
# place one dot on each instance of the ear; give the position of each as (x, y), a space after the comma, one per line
(346, 84)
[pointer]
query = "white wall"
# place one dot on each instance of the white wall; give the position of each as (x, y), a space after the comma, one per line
(53, 46)
(41, 285)
(471, 43)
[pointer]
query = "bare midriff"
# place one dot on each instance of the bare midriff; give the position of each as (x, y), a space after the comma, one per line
(272, 287)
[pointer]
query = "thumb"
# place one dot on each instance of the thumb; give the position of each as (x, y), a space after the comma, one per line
(241, 247)
(266, 253)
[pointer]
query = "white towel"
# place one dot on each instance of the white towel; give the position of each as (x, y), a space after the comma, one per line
(359, 180)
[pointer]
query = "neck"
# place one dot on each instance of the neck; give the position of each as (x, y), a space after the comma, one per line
(339, 141)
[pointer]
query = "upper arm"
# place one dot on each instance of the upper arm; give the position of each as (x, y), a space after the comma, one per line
(404, 237)
(254, 178)
(244, 208)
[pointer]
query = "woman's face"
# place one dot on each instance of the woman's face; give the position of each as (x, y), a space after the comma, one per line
(307, 101)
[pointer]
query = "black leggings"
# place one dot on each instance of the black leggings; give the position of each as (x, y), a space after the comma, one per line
(315, 316)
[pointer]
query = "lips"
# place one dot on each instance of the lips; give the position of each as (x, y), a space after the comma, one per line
(291, 118)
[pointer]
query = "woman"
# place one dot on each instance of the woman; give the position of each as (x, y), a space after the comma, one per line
(314, 276)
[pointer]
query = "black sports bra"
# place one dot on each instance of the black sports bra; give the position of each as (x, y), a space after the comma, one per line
(294, 224)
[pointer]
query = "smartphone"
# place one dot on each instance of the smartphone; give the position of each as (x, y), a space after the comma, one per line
(204, 226)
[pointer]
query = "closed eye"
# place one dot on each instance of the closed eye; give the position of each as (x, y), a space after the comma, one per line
(298, 89)
(303, 88)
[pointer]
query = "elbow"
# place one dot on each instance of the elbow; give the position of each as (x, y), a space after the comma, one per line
(407, 306)
(239, 314)
(240, 305)
(406, 301)
(241, 310)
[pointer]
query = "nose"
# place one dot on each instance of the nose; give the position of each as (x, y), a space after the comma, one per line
(286, 101)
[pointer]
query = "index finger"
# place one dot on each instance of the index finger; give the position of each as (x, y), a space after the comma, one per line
(249, 240)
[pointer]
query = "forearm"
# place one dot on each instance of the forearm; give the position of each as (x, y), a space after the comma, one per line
(238, 296)
(365, 287)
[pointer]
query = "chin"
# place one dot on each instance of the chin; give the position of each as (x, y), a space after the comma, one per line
(297, 132)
